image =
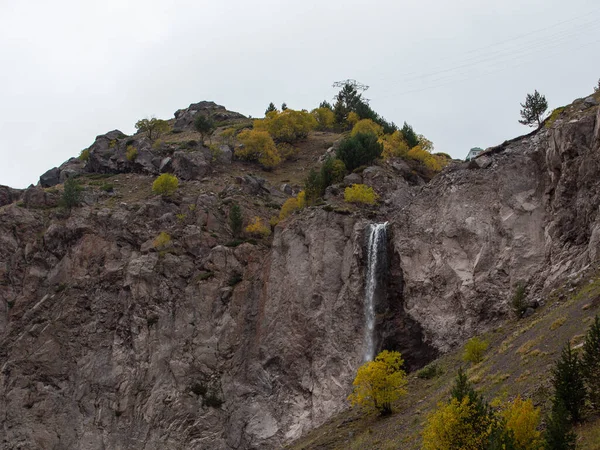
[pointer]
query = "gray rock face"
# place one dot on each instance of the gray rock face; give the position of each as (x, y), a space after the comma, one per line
(108, 342)
(527, 214)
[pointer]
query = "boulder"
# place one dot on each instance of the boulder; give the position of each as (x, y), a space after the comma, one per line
(71, 168)
(191, 165)
(353, 178)
(50, 178)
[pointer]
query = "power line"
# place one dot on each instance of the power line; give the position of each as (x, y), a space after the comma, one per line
(490, 72)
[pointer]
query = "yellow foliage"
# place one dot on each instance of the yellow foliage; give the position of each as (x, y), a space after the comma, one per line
(292, 204)
(258, 146)
(161, 241)
(394, 145)
(522, 418)
(366, 126)
(84, 155)
(456, 426)
(353, 118)
(379, 383)
(425, 143)
(258, 228)
(274, 220)
(166, 184)
(301, 199)
(325, 118)
(131, 153)
(432, 162)
(360, 193)
(474, 350)
(287, 126)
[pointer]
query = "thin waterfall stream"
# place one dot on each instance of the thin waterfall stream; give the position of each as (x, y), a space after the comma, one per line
(376, 267)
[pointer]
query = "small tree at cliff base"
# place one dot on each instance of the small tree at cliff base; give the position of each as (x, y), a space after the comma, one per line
(379, 383)
(533, 109)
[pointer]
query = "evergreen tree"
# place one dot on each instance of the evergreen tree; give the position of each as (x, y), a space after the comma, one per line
(284, 106)
(271, 108)
(569, 388)
(533, 109)
(559, 435)
(463, 388)
(236, 221)
(590, 363)
(409, 135)
(359, 150)
(326, 104)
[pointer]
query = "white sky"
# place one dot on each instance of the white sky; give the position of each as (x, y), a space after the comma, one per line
(455, 70)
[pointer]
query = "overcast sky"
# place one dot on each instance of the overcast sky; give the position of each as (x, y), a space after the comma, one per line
(455, 70)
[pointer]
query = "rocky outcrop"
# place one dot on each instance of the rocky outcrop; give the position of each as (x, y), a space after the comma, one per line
(184, 118)
(525, 212)
(110, 339)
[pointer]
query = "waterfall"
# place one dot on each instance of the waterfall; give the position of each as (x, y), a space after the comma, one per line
(376, 271)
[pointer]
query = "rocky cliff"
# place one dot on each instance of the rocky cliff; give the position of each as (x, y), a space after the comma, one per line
(108, 340)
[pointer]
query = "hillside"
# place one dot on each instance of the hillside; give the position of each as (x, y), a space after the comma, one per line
(140, 320)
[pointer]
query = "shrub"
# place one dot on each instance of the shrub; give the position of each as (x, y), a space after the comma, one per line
(555, 115)
(359, 150)
(474, 350)
(71, 195)
(518, 300)
(430, 371)
(258, 228)
(204, 125)
(153, 127)
(258, 146)
(84, 155)
(166, 184)
(107, 187)
(131, 153)
(234, 279)
(379, 383)
(236, 220)
(325, 118)
(333, 171)
(394, 145)
(162, 241)
(288, 125)
(313, 186)
(432, 162)
(360, 193)
(290, 206)
(366, 126)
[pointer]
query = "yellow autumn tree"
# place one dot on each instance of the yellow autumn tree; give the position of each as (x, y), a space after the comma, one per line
(353, 118)
(360, 193)
(366, 126)
(456, 426)
(379, 383)
(258, 146)
(166, 184)
(432, 162)
(523, 419)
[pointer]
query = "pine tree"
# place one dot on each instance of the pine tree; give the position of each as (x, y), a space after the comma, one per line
(236, 221)
(284, 106)
(569, 388)
(409, 135)
(271, 108)
(313, 186)
(590, 363)
(559, 435)
(533, 110)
